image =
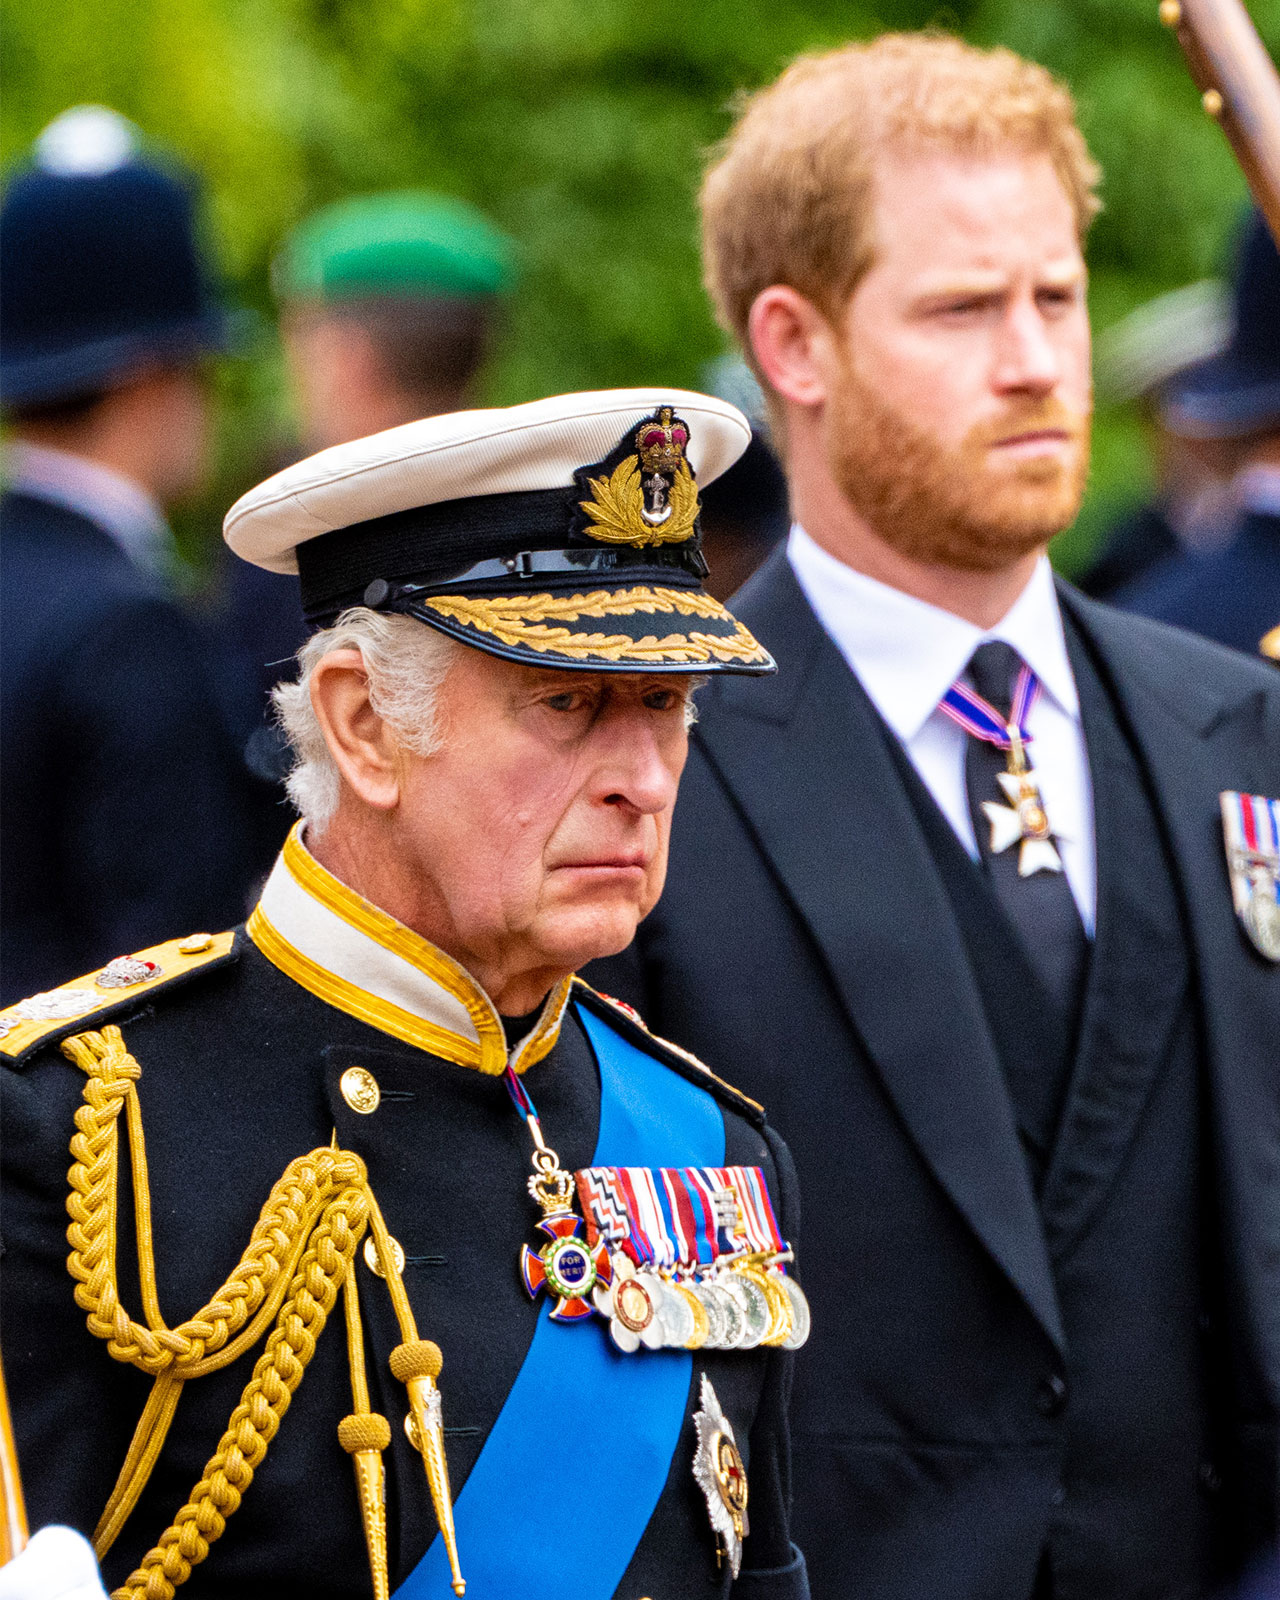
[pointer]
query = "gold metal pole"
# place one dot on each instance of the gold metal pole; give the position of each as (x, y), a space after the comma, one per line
(13, 1521)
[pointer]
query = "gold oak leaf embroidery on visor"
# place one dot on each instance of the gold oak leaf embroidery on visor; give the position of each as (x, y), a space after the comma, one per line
(531, 621)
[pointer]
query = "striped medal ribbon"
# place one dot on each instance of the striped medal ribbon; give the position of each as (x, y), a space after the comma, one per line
(1251, 832)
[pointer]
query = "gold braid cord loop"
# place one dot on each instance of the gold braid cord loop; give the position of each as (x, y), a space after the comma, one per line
(299, 1258)
(258, 1282)
(321, 1272)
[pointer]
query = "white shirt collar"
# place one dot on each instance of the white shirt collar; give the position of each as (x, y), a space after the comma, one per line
(907, 653)
(122, 507)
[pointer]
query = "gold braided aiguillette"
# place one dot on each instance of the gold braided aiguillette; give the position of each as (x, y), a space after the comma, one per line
(299, 1258)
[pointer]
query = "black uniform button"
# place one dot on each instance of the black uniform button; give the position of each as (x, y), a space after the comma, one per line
(1210, 1478)
(1059, 1496)
(1051, 1396)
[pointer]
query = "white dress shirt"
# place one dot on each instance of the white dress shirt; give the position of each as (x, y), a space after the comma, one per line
(116, 503)
(906, 654)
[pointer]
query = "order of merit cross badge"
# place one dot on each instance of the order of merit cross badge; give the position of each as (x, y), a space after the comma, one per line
(1024, 819)
(1251, 831)
(717, 1465)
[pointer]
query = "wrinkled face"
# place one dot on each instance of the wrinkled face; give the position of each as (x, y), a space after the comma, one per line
(541, 825)
(958, 425)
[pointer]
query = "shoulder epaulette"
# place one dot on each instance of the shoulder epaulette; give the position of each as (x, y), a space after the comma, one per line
(664, 1047)
(89, 1001)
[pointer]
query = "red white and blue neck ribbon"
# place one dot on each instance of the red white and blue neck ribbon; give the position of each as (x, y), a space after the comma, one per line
(978, 717)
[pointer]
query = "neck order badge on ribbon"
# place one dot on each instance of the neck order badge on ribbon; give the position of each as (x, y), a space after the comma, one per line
(1024, 818)
(1251, 832)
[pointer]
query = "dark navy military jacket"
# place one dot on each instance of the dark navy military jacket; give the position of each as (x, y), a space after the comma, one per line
(240, 1070)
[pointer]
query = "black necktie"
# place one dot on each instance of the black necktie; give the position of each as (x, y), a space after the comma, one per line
(1041, 908)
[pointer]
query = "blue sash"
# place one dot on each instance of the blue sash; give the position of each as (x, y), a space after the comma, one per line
(570, 1474)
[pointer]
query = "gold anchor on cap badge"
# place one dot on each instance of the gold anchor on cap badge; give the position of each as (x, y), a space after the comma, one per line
(650, 497)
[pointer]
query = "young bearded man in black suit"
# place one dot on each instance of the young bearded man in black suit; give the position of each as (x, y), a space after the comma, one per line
(978, 894)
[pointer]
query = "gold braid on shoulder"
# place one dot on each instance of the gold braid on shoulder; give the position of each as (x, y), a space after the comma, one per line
(299, 1258)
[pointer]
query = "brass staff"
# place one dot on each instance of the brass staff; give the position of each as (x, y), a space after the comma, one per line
(1239, 88)
(13, 1520)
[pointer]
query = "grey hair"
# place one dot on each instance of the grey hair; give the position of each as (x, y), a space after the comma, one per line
(406, 661)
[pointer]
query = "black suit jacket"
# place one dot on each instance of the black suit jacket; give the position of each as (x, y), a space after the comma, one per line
(125, 801)
(806, 947)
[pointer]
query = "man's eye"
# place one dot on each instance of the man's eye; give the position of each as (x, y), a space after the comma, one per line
(662, 699)
(963, 310)
(567, 701)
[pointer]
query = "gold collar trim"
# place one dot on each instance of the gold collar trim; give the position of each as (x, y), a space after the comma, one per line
(361, 960)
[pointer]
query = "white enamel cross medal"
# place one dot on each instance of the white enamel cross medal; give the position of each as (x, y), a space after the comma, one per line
(1024, 818)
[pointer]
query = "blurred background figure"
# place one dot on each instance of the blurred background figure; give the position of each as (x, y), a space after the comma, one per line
(389, 306)
(1231, 402)
(1137, 358)
(123, 793)
(745, 511)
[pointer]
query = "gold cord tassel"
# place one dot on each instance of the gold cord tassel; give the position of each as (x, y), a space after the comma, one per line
(417, 1365)
(365, 1435)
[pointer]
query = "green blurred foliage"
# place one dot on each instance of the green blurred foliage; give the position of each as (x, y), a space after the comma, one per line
(581, 129)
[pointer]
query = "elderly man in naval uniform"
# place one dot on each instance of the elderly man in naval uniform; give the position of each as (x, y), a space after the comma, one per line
(563, 1250)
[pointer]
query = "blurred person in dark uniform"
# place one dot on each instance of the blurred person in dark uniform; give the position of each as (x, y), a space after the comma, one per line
(978, 894)
(1137, 359)
(123, 795)
(389, 304)
(1232, 400)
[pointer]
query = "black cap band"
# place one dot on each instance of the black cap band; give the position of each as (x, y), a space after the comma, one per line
(524, 536)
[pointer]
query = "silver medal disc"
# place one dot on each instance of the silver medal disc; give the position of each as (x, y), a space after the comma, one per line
(677, 1320)
(1262, 919)
(713, 1305)
(754, 1304)
(735, 1323)
(800, 1311)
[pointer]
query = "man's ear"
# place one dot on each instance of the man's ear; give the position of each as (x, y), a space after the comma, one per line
(362, 744)
(794, 344)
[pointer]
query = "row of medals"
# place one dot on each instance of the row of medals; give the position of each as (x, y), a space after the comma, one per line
(732, 1306)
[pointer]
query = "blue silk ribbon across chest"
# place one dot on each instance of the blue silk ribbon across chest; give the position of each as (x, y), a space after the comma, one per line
(612, 1468)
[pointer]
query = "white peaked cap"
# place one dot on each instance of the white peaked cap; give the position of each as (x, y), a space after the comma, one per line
(463, 455)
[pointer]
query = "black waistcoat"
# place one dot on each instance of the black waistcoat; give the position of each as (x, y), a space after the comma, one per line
(1120, 1184)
